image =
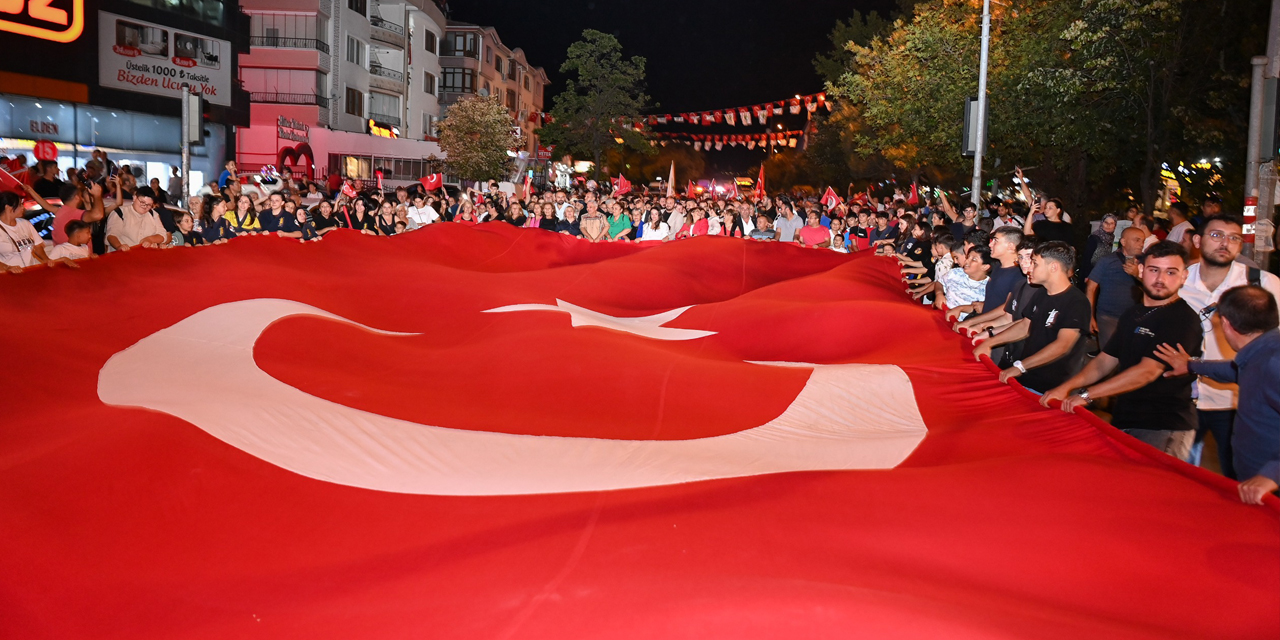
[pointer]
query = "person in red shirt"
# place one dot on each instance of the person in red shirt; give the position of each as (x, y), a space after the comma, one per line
(813, 234)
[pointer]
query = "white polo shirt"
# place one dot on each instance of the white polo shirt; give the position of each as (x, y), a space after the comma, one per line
(1217, 395)
(1178, 230)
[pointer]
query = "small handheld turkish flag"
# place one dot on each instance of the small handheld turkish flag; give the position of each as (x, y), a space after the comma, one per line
(432, 182)
(830, 199)
(621, 186)
(348, 190)
(914, 198)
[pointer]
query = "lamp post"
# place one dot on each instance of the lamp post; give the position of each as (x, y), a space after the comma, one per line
(980, 138)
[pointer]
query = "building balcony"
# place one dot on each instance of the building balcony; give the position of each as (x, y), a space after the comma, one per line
(386, 79)
(289, 43)
(290, 98)
(383, 118)
(386, 32)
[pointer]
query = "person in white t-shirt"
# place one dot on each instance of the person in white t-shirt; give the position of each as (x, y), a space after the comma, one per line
(136, 224)
(1180, 214)
(20, 244)
(421, 213)
(79, 233)
(1219, 242)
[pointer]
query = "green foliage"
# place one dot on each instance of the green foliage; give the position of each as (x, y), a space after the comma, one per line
(602, 88)
(643, 167)
(1091, 92)
(476, 134)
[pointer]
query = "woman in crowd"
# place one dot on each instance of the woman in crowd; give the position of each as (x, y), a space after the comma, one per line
(730, 225)
(654, 227)
(245, 218)
(547, 220)
(1099, 244)
(362, 217)
(217, 228)
(324, 220)
(619, 223)
(385, 223)
(466, 214)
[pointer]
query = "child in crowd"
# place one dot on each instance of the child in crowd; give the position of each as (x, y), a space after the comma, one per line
(79, 235)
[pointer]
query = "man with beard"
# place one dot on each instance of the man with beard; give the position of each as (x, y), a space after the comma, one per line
(1219, 243)
(1149, 406)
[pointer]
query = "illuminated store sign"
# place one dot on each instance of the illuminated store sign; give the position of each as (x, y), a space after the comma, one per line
(41, 19)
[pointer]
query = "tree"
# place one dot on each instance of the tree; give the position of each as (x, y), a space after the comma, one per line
(603, 90)
(646, 166)
(476, 134)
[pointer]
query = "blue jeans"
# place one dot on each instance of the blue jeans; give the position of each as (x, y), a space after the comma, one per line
(1220, 423)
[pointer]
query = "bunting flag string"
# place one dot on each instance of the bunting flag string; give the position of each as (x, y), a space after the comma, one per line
(708, 141)
(758, 113)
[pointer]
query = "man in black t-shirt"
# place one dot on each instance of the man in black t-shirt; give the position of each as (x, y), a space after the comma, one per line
(1052, 332)
(1003, 279)
(1150, 407)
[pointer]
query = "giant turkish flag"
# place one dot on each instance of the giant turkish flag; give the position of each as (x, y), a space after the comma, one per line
(493, 432)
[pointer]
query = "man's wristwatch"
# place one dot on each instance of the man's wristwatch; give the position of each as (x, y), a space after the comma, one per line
(1083, 392)
(991, 333)
(1017, 364)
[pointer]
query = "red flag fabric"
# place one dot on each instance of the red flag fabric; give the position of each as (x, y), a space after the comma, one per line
(258, 456)
(760, 192)
(691, 191)
(10, 183)
(830, 199)
(914, 198)
(432, 182)
(348, 190)
(621, 186)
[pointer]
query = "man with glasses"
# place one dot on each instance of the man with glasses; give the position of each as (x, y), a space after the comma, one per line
(1219, 243)
(136, 224)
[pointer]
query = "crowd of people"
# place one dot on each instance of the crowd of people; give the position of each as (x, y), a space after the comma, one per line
(1163, 324)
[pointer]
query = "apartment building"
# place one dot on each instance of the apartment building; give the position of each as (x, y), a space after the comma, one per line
(473, 60)
(343, 87)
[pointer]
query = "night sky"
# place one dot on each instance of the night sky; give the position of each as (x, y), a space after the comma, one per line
(701, 55)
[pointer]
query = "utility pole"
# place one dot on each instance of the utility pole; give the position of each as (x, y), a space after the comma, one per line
(1265, 177)
(981, 138)
(186, 144)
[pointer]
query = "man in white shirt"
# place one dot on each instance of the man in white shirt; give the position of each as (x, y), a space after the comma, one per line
(677, 219)
(1180, 214)
(136, 224)
(561, 204)
(1219, 243)
(421, 213)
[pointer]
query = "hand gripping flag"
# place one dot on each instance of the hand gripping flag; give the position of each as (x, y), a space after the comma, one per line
(830, 200)
(604, 446)
(348, 190)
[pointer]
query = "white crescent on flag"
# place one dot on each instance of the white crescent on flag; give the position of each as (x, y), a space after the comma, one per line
(202, 370)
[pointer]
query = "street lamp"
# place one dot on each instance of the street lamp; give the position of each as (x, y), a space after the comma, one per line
(981, 138)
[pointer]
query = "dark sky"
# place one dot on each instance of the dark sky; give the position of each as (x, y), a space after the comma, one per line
(701, 55)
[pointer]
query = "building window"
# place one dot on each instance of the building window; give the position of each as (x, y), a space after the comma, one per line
(355, 51)
(355, 102)
(512, 70)
(460, 43)
(526, 83)
(322, 84)
(456, 80)
(486, 87)
(488, 55)
(511, 99)
(497, 64)
(428, 125)
(428, 83)
(358, 6)
(429, 41)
